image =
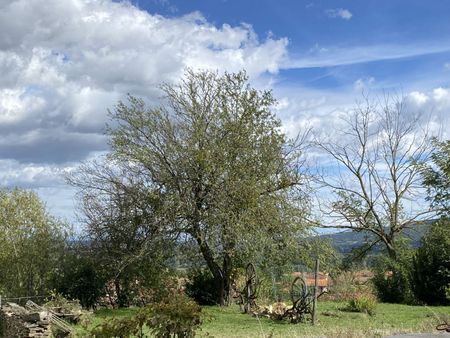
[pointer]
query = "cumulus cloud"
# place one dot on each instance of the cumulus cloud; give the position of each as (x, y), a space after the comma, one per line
(14, 173)
(339, 13)
(301, 108)
(46, 180)
(63, 63)
(435, 104)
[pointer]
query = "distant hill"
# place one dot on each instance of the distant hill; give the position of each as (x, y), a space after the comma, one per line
(344, 242)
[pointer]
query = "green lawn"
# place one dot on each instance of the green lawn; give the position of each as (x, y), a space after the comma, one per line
(331, 322)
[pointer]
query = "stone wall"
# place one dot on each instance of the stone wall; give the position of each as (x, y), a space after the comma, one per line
(17, 322)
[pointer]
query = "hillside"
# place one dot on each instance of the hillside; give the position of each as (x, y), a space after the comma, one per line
(346, 241)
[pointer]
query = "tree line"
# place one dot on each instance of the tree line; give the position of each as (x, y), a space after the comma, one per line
(210, 175)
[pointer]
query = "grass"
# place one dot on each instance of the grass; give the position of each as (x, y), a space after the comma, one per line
(331, 322)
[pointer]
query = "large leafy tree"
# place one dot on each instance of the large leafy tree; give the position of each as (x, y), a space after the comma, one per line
(431, 265)
(32, 244)
(216, 159)
(437, 177)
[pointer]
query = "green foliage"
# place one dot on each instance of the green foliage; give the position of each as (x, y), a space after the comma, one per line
(118, 328)
(364, 303)
(431, 265)
(436, 177)
(175, 316)
(32, 244)
(202, 287)
(223, 174)
(321, 248)
(392, 278)
(63, 304)
(390, 319)
(126, 242)
(80, 278)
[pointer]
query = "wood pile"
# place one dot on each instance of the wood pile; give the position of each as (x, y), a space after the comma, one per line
(16, 321)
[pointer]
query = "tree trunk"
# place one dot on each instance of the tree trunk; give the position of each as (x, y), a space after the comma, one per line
(225, 289)
(122, 294)
(222, 276)
(392, 252)
(390, 247)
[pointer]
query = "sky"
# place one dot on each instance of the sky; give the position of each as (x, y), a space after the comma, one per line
(63, 64)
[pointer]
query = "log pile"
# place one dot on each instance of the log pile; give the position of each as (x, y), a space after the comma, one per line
(16, 321)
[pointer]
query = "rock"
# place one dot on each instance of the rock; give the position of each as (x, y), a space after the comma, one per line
(16, 321)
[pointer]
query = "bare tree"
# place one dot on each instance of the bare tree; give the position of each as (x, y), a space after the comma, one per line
(375, 171)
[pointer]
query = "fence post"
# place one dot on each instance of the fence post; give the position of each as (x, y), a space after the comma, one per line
(316, 276)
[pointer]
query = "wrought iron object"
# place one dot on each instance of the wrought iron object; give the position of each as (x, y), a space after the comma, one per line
(302, 298)
(247, 296)
(443, 327)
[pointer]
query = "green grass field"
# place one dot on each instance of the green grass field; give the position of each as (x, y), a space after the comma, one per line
(331, 322)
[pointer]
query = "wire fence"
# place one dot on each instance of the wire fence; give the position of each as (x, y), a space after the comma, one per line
(275, 282)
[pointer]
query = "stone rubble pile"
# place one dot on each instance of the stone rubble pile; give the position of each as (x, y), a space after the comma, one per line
(16, 321)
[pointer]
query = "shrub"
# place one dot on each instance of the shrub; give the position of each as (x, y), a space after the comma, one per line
(175, 316)
(365, 303)
(349, 284)
(79, 278)
(392, 279)
(430, 273)
(178, 316)
(118, 327)
(62, 304)
(202, 288)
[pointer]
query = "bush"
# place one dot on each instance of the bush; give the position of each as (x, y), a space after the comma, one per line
(79, 278)
(392, 279)
(365, 303)
(60, 304)
(175, 316)
(349, 284)
(118, 327)
(430, 273)
(32, 244)
(202, 288)
(178, 316)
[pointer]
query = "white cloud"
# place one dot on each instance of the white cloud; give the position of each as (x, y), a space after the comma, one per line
(14, 173)
(301, 108)
(63, 63)
(418, 98)
(441, 95)
(339, 13)
(363, 84)
(434, 103)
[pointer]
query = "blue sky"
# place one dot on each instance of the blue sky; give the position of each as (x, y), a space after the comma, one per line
(413, 36)
(64, 63)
